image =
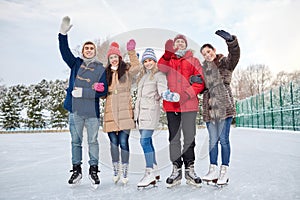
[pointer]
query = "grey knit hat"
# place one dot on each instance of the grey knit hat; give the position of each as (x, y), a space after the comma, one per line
(149, 53)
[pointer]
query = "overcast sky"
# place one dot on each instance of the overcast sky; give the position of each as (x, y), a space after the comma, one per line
(268, 30)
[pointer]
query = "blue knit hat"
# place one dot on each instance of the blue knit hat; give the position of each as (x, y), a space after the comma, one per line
(149, 53)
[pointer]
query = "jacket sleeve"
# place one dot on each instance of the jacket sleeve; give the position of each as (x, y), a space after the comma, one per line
(134, 62)
(196, 88)
(162, 84)
(234, 54)
(164, 65)
(90, 93)
(65, 51)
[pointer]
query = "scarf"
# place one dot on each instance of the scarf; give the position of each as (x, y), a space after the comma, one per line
(180, 53)
(88, 61)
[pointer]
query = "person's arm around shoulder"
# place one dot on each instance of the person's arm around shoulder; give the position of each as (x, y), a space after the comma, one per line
(197, 79)
(196, 82)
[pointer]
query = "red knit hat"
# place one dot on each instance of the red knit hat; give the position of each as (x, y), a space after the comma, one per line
(179, 36)
(114, 49)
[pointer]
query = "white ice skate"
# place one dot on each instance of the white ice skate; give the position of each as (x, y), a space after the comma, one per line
(212, 176)
(124, 173)
(116, 175)
(223, 177)
(156, 172)
(147, 180)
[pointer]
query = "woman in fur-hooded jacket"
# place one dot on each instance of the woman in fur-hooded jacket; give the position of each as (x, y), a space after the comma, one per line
(218, 103)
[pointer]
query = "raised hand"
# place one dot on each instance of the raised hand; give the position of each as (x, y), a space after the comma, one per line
(169, 49)
(225, 35)
(65, 25)
(131, 45)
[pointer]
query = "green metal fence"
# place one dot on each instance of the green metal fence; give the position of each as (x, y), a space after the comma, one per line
(277, 109)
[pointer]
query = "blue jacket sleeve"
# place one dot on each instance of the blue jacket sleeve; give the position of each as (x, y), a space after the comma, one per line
(65, 51)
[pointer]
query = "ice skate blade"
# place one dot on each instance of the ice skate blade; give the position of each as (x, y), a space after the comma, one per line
(94, 186)
(125, 181)
(157, 178)
(222, 184)
(116, 179)
(210, 182)
(198, 185)
(73, 185)
(173, 184)
(151, 185)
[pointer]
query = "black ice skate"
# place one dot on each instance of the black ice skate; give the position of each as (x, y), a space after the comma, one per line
(94, 176)
(175, 178)
(191, 176)
(76, 176)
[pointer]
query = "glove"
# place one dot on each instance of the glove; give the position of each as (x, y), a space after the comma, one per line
(131, 45)
(65, 25)
(99, 87)
(169, 49)
(77, 92)
(170, 96)
(195, 79)
(225, 35)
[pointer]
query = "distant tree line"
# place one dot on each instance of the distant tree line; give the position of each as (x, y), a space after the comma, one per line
(256, 79)
(40, 106)
(37, 106)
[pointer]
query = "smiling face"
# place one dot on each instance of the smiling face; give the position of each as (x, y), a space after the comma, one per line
(208, 53)
(89, 51)
(149, 63)
(180, 44)
(113, 59)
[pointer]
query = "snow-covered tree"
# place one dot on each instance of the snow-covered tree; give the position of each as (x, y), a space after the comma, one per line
(35, 104)
(58, 115)
(10, 110)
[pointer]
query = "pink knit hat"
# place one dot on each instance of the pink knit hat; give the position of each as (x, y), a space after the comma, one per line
(114, 49)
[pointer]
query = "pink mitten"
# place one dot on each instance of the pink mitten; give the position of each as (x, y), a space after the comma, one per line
(99, 87)
(131, 45)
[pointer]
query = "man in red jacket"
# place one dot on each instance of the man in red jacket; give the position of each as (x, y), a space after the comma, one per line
(179, 64)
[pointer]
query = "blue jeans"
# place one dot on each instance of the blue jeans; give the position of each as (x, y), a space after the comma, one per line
(219, 131)
(148, 148)
(76, 124)
(117, 139)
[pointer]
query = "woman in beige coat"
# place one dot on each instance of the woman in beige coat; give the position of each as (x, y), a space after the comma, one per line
(152, 85)
(118, 113)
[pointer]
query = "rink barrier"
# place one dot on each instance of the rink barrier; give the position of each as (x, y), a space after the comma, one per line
(33, 131)
(278, 108)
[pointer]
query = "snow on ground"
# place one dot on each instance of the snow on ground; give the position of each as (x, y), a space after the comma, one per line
(264, 164)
